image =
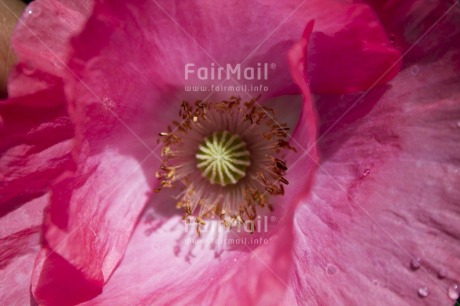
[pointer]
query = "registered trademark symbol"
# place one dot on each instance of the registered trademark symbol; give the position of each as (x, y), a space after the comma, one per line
(273, 218)
(273, 66)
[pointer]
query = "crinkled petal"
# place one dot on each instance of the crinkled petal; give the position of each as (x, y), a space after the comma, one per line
(19, 245)
(90, 221)
(382, 221)
(35, 146)
(35, 149)
(40, 42)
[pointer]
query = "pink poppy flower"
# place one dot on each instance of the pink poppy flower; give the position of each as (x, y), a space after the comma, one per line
(371, 216)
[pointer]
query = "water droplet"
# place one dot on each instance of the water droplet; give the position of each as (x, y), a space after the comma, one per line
(442, 273)
(235, 260)
(375, 282)
(453, 292)
(414, 70)
(423, 292)
(331, 269)
(458, 124)
(366, 172)
(415, 263)
(34, 11)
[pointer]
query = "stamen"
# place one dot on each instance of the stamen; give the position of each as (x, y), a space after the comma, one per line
(226, 155)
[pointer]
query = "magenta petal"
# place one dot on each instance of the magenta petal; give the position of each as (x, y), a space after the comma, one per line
(382, 221)
(53, 274)
(408, 20)
(34, 148)
(354, 55)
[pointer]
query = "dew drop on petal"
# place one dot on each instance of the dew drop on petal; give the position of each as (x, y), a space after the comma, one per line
(331, 269)
(442, 273)
(415, 263)
(366, 172)
(375, 282)
(423, 292)
(414, 70)
(34, 11)
(458, 124)
(453, 292)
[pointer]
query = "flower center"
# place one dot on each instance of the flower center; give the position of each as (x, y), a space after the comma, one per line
(223, 158)
(226, 157)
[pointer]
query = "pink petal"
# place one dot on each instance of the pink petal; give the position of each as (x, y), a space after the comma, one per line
(163, 268)
(408, 20)
(34, 150)
(41, 52)
(19, 244)
(386, 194)
(35, 138)
(34, 147)
(92, 214)
(353, 55)
(259, 34)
